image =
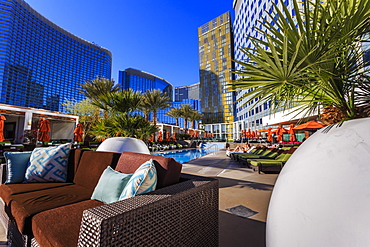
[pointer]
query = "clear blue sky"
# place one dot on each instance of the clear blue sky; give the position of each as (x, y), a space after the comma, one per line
(156, 36)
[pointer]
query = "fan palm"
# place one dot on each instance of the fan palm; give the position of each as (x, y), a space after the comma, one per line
(313, 60)
(153, 101)
(175, 113)
(96, 88)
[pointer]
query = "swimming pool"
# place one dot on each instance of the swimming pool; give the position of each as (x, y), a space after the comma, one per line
(183, 156)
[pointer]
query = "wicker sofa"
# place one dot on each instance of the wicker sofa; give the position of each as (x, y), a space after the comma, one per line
(182, 211)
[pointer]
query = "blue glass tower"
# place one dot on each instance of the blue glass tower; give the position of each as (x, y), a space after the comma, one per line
(142, 81)
(42, 64)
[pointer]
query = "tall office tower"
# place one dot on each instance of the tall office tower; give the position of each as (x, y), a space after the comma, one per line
(142, 81)
(215, 62)
(247, 15)
(187, 92)
(42, 64)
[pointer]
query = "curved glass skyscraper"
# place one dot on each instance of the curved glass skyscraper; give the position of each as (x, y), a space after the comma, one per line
(42, 64)
(142, 81)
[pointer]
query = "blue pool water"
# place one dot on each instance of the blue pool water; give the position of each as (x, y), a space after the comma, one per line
(183, 156)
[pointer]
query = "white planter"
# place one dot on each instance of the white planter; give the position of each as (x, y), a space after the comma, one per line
(322, 195)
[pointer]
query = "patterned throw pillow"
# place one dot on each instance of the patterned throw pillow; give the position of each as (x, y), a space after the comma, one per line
(48, 164)
(142, 181)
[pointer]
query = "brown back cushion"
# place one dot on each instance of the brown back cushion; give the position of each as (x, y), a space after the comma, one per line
(73, 161)
(168, 170)
(92, 165)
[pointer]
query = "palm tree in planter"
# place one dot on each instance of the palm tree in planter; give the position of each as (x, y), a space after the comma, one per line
(175, 113)
(153, 101)
(314, 62)
(186, 113)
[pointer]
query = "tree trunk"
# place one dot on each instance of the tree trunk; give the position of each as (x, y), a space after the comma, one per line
(331, 115)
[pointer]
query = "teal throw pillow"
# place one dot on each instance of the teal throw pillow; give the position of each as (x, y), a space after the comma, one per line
(142, 181)
(16, 165)
(48, 164)
(110, 185)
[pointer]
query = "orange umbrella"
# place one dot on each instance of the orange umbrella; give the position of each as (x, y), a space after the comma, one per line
(168, 136)
(151, 138)
(292, 137)
(2, 119)
(44, 129)
(262, 130)
(269, 135)
(310, 125)
(174, 136)
(253, 134)
(280, 131)
(78, 133)
(160, 138)
(249, 133)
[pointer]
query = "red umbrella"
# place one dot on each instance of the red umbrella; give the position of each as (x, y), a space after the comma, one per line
(174, 136)
(44, 129)
(168, 136)
(2, 119)
(160, 138)
(292, 137)
(310, 125)
(269, 135)
(78, 133)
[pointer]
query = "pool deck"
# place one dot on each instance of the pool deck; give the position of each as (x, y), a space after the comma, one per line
(239, 186)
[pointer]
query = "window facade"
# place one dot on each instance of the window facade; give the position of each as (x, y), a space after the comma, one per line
(42, 64)
(142, 81)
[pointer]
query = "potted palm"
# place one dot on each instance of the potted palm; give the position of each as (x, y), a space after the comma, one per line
(314, 62)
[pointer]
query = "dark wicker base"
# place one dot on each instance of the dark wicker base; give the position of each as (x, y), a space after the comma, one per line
(184, 214)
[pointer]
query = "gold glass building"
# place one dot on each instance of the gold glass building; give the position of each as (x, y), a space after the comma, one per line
(215, 64)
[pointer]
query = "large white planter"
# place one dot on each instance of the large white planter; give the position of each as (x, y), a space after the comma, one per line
(322, 195)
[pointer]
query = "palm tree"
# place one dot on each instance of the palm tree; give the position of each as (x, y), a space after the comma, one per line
(153, 101)
(122, 101)
(175, 113)
(195, 116)
(186, 113)
(97, 88)
(313, 60)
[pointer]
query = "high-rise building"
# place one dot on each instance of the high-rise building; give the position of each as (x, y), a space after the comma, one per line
(215, 41)
(247, 17)
(141, 81)
(187, 92)
(42, 64)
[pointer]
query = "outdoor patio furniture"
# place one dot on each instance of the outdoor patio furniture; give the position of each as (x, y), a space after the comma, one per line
(263, 165)
(182, 211)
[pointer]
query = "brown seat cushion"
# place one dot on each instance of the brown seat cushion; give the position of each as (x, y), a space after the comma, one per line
(60, 227)
(23, 207)
(92, 165)
(168, 170)
(7, 190)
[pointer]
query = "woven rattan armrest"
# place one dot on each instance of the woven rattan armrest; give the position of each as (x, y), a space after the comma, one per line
(184, 214)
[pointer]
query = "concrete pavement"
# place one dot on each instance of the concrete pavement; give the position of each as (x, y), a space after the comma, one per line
(242, 191)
